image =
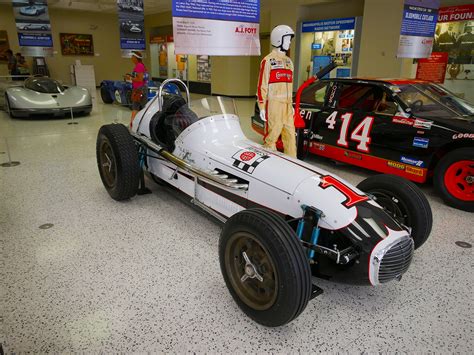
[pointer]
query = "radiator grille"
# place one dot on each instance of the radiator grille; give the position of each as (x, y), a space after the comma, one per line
(396, 260)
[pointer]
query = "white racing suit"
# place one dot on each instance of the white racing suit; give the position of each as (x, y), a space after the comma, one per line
(275, 96)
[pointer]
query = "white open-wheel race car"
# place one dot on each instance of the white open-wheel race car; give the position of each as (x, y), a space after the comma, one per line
(284, 220)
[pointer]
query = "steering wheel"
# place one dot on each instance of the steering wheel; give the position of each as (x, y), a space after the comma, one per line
(416, 105)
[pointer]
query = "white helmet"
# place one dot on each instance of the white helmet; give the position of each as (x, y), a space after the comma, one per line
(280, 31)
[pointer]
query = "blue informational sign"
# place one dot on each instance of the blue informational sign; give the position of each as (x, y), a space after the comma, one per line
(418, 20)
(35, 40)
(131, 24)
(343, 72)
(319, 62)
(337, 24)
(226, 10)
(316, 46)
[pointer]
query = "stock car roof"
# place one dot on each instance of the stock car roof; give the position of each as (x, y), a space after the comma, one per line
(387, 81)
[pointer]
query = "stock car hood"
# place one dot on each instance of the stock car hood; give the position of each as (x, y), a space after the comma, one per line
(22, 98)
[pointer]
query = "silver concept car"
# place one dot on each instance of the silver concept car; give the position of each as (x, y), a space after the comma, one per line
(41, 96)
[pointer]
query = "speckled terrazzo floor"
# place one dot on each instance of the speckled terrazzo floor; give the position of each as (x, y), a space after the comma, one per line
(143, 275)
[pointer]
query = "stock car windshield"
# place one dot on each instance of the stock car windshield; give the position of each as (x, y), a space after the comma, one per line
(44, 85)
(431, 100)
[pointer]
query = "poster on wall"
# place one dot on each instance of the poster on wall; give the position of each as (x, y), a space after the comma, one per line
(76, 44)
(418, 28)
(433, 68)
(33, 27)
(203, 68)
(216, 27)
(131, 25)
(4, 46)
(455, 33)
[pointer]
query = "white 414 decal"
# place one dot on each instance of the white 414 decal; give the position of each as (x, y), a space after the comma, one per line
(360, 134)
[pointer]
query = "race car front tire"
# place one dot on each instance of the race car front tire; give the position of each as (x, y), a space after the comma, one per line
(117, 160)
(404, 201)
(105, 95)
(264, 267)
(454, 179)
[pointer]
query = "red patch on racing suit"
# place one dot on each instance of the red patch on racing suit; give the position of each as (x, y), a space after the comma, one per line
(280, 76)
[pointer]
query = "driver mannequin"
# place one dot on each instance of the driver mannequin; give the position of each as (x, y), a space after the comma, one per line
(275, 92)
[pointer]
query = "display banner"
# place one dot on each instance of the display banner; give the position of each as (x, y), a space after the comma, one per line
(337, 24)
(216, 27)
(131, 25)
(456, 13)
(433, 68)
(418, 28)
(33, 27)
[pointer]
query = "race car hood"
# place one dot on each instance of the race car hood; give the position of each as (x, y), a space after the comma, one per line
(22, 98)
(221, 139)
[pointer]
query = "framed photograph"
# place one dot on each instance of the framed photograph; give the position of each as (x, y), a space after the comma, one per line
(76, 44)
(4, 46)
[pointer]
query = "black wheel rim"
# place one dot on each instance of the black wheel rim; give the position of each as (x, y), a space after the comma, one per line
(257, 294)
(393, 205)
(108, 165)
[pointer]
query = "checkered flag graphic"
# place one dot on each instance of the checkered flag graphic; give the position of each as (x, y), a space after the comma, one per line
(249, 168)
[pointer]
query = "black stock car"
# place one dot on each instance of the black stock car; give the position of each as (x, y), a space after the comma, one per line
(414, 129)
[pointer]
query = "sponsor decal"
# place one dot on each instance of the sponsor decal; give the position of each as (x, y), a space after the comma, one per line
(396, 165)
(246, 156)
(403, 120)
(352, 155)
(248, 159)
(420, 142)
(318, 146)
(423, 124)
(280, 76)
(420, 132)
(414, 171)
(412, 161)
(463, 136)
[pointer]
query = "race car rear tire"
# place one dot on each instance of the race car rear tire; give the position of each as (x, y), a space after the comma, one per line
(453, 179)
(105, 95)
(404, 201)
(128, 99)
(117, 160)
(272, 251)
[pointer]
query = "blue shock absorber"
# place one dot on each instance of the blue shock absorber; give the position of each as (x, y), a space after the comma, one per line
(314, 240)
(300, 228)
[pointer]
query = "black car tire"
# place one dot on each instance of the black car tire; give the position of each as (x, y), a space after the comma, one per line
(128, 98)
(280, 254)
(404, 201)
(447, 169)
(117, 160)
(105, 95)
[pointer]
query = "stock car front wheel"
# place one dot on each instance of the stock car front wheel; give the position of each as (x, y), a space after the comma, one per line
(404, 201)
(117, 160)
(264, 267)
(454, 179)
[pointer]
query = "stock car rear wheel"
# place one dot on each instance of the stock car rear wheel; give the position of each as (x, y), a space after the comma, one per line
(105, 95)
(264, 267)
(454, 179)
(117, 160)
(404, 201)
